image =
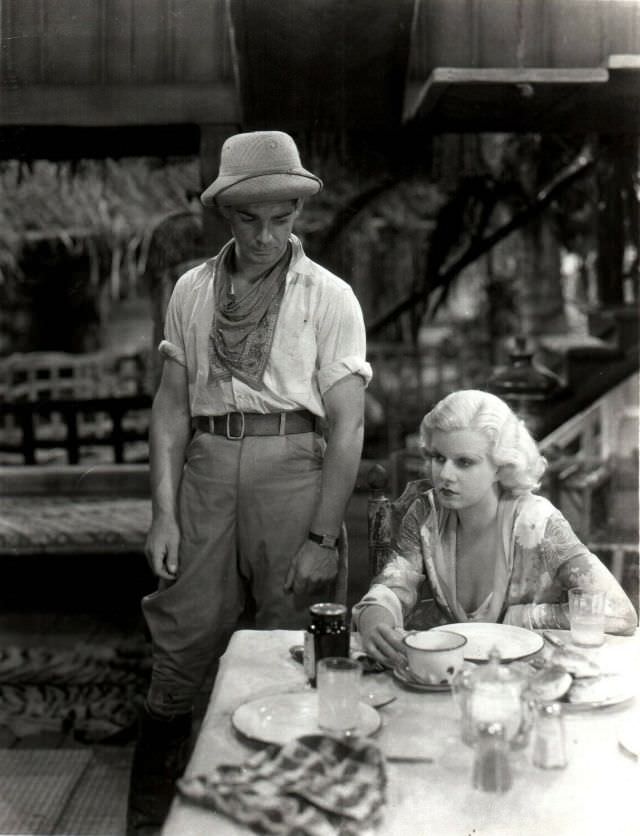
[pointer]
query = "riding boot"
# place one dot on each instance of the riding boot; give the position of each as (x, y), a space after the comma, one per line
(159, 759)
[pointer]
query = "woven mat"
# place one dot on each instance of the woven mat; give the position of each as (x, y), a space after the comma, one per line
(99, 803)
(35, 786)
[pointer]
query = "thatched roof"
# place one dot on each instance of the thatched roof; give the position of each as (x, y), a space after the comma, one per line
(107, 206)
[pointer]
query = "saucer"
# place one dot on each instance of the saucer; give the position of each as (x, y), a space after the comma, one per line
(377, 694)
(406, 677)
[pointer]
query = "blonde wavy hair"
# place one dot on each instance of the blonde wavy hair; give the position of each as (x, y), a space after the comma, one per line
(511, 447)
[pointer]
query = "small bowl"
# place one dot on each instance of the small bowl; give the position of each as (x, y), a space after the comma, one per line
(434, 656)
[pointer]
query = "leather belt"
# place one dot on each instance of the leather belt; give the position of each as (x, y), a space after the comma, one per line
(235, 425)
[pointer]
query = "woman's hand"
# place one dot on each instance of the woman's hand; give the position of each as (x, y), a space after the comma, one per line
(380, 638)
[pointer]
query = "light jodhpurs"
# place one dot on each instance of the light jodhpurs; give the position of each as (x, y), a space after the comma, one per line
(245, 509)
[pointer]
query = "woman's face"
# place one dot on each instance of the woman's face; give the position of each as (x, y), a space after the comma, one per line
(462, 472)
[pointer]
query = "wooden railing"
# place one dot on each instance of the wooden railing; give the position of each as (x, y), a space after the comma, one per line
(598, 430)
(588, 457)
(72, 424)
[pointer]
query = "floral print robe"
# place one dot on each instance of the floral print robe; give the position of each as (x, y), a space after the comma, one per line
(541, 557)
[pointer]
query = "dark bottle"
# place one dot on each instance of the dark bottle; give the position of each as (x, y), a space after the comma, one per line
(327, 635)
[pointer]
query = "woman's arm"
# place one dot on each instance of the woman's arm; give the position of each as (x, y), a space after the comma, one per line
(588, 572)
(394, 591)
(571, 564)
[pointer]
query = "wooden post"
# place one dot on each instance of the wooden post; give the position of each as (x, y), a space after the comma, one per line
(73, 440)
(215, 232)
(617, 207)
(25, 417)
(117, 434)
(378, 520)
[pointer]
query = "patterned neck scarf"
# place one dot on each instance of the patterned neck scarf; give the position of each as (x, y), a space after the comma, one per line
(242, 329)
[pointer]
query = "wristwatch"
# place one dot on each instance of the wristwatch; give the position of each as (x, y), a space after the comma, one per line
(327, 541)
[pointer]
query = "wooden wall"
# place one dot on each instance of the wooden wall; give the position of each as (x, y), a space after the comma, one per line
(151, 61)
(113, 41)
(521, 33)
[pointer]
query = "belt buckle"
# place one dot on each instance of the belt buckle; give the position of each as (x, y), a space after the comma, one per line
(228, 432)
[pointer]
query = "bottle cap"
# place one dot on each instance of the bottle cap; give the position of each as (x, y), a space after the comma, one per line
(551, 709)
(492, 729)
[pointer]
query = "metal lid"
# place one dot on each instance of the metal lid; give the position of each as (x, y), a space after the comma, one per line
(491, 729)
(551, 709)
(327, 610)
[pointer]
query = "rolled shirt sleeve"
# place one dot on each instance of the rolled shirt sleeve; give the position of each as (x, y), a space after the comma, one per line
(342, 341)
(172, 352)
(173, 344)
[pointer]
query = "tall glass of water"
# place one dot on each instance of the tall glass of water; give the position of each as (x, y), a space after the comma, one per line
(586, 617)
(338, 684)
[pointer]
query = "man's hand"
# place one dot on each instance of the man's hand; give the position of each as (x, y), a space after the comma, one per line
(161, 547)
(380, 639)
(312, 569)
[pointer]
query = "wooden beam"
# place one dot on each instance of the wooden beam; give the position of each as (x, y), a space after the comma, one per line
(422, 99)
(623, 62)
(88, 105)
(603, 99)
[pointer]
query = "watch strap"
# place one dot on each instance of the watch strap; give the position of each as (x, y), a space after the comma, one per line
(327, 541)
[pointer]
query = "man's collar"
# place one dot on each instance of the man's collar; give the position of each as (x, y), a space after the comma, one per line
(297, 251)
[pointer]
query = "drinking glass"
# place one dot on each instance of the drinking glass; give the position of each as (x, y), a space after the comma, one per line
(338, 686)
(586, 617)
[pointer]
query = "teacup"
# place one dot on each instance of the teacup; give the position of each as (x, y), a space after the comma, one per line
(434, 656)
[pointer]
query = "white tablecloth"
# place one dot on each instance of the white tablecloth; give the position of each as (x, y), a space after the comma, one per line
(598, 792)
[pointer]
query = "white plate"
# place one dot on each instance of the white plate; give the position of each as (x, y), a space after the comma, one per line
(404, 675)
(512, 642)
(280, 718)
(598, 692)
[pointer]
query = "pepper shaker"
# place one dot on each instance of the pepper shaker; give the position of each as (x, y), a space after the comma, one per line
(491, 767)
(549, 745)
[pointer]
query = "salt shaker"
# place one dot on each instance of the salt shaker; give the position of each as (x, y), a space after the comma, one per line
(491, 768)
(549, 747)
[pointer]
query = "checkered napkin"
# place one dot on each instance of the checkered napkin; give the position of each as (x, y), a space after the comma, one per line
(315, 785)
